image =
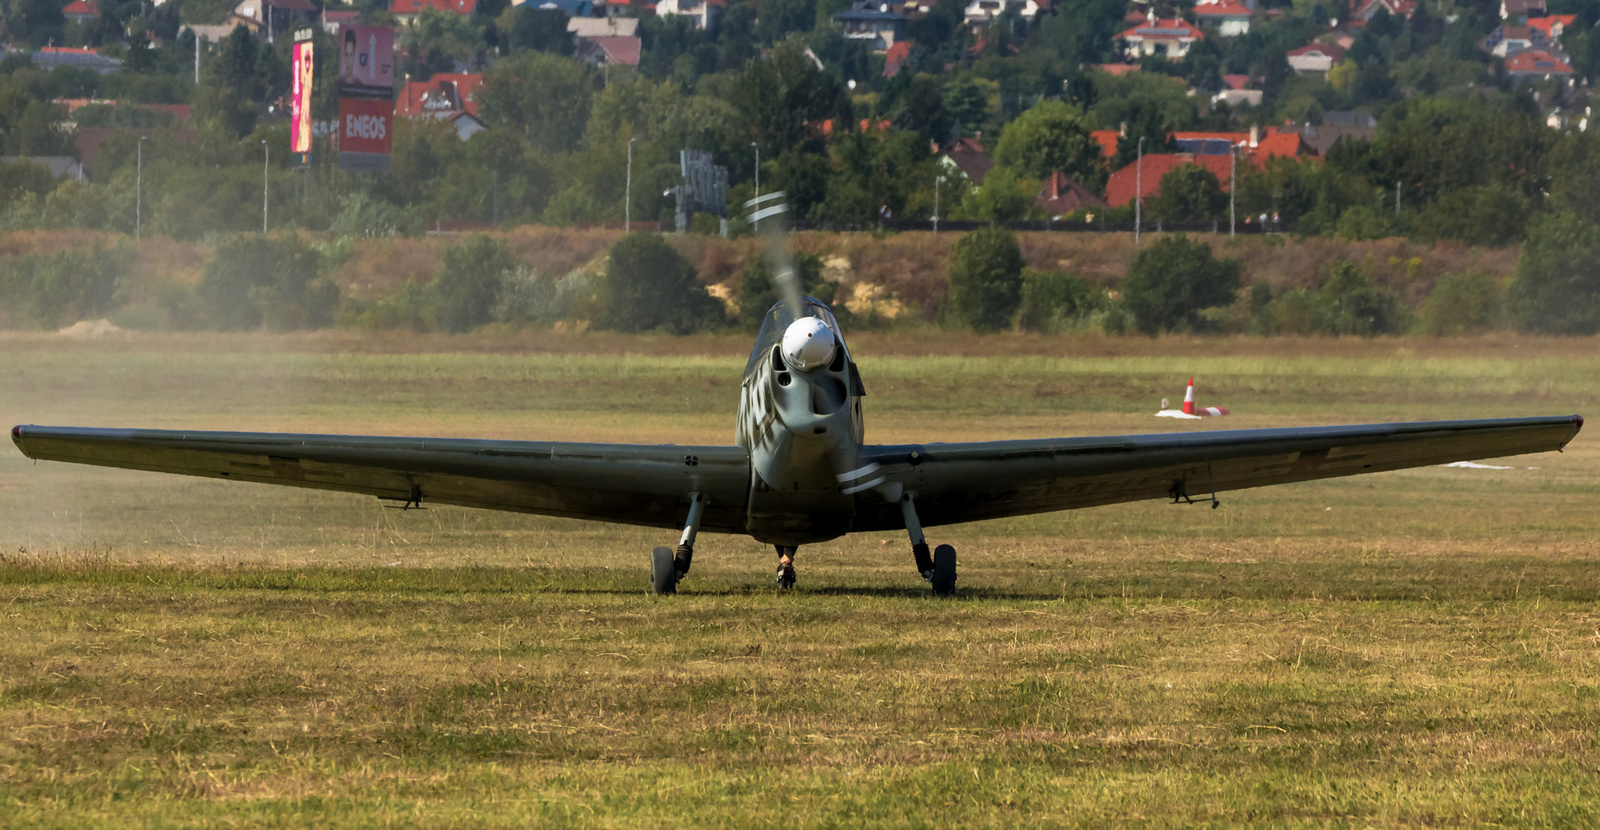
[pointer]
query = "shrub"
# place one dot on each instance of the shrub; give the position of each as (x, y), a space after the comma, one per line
(527, 299)
(1053, 301)
(255, 280)
(469, 282)
(1557, 286)
(985, 280)
(1363, 222)
(1352, 303)
(758, 292)
(648, 286)
(1172, 281)
(54, 290)
(1463, 304)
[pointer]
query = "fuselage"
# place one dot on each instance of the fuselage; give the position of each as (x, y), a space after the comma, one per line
(801, 423)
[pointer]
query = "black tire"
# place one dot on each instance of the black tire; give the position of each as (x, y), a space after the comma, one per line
(663, 572)
(944, 571)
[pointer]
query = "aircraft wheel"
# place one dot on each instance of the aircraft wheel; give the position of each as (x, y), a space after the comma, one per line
(663, 572)
(944, 571)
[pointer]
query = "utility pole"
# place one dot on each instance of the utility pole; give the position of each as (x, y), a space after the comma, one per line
(627, 192)
(1138, 188)
(266, 156)
(758, 167)
(1233, 184)
(196, 57)
(138, 192)
(938, 179)
(1397, 198)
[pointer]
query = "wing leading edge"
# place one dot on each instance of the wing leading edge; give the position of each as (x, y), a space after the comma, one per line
(968, 482)
(628, 483)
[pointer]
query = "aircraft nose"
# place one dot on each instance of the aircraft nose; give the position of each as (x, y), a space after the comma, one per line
(808, 343)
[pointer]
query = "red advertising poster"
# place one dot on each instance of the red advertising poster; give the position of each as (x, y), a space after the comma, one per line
(366, 134)
(300, 100)
(366, 61)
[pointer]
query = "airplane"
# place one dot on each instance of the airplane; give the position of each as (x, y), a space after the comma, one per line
(1189, 410)
(799, 471)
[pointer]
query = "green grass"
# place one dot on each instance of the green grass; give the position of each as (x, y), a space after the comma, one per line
(1415, 648)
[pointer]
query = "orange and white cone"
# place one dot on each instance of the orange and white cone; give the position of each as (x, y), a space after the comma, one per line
(1188, 399)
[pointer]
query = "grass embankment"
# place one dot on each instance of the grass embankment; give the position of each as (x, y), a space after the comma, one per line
(1410, 648)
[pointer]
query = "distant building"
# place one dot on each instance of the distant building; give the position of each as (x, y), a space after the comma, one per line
(82, 11)
(51, 57)
(1230, 17)
(1537, 65)
(1521, 10)
(1061, 196)
(446, 97)
(267, 18)
(407, 11)
(1363, 10)
(965, 158)
(704, 13)
(874, 24)
(1356, 125)
(980, 13)
(1169, 38)
(603, 27)
(59, 166)
(1317, 58)
(894, 57)
(600, 51)
(1143, 178)
(330, 21)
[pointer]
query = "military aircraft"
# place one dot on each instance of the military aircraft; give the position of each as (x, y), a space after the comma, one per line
(800, 471)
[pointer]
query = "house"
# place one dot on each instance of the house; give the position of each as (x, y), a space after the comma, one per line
(1143, 177)
(1238, 92)
(1552, 26)
(1061, 196)
(1537, 65)
(1315, 58)
(447, 97)
(980, 13)
(599, 51)
(873, 24)
(1356, 125)
(965, 158)
(704, 13)
(1505, 41)
(407, 11)
(1229, 17)
(50, 57)
(82, 11)
(1171, 38)
(592, 27)
(894, 57)
(268, 17)
(211, 34)
(1522, 10)
(59, 166)
(1363, 10)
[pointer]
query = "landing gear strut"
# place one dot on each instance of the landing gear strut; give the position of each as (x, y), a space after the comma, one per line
(940, 568)
(668, 567)
(786, 566)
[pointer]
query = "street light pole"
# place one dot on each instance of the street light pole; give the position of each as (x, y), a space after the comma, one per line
(758, 167)
(266, 156)
(937, 180)
(1138, 189)
(627, 192)
(1233, 184)
(138, 192)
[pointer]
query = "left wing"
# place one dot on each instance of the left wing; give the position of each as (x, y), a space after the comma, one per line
(628, 483)
(968, 482)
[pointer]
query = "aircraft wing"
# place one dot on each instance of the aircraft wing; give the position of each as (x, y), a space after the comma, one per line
(629, 483)
(967, 482)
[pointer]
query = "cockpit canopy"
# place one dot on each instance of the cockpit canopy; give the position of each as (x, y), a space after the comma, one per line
(777, 322)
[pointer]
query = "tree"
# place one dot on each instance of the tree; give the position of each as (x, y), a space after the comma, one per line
(780, 17)
(648, 286)
(1003, 197)
(758, 292)
(544, 97)
(1050, 137)
(439, 40)
(36, 21)
(1557, 284)
(1172, 281)
(1352, 303)
(542, 29)
(470, 281)
(254, 280)
(985, 280)
(1189, 193)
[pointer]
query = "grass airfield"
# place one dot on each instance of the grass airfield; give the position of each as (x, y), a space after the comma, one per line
(1412, 648)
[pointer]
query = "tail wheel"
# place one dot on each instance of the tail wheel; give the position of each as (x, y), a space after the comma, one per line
(944, 571)
(663, 572)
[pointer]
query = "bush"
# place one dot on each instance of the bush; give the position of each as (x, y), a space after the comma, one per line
(1557, 286)
(648, 286)
(1362, 222)
(1054, 302)
(1170, 283)
(363, 217)
(1463, 304)
(758, 292)
(255, 280)
(985, 280)
(55, 290)
(1352, 303)
(529, 300)
(469, 283)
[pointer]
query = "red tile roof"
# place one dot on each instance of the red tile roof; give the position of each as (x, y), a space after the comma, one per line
(68, 50)
(416, 6)
(1174, 29)
(1120, 189)
(1236, 81)
(1332, 50)
(1543, 24)
(443, 94)
(1117, 69)
(1108, 141)
(1222, 8)
(896, 55)
(623, 49)
(1535, 62)
(82, 7)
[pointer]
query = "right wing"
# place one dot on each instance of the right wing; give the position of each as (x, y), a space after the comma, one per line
(968, 482)
(628, 483)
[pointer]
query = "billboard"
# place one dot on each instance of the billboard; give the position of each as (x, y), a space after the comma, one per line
(366, 134)
(366, 61)
(366, 98)
(302, 67)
